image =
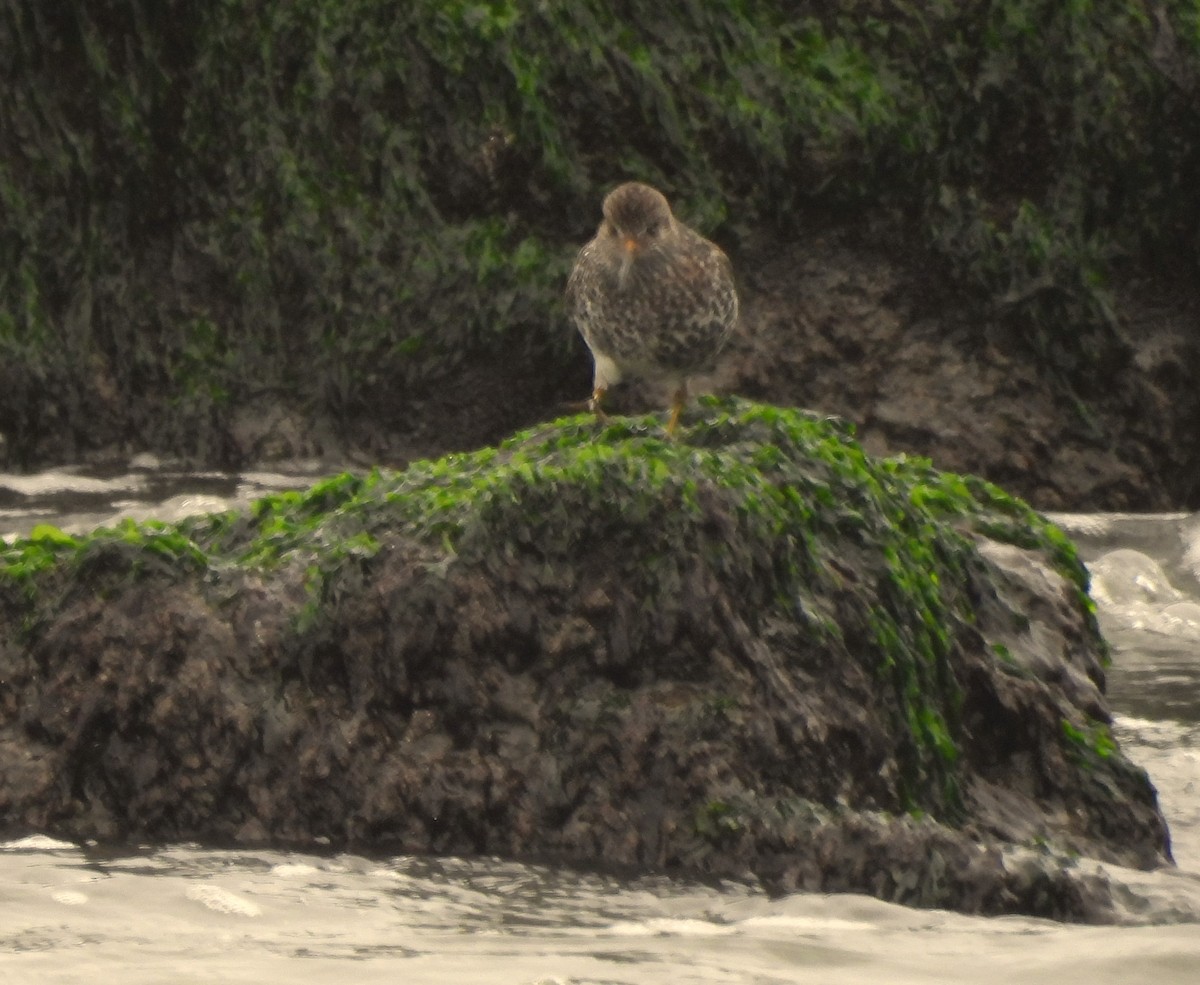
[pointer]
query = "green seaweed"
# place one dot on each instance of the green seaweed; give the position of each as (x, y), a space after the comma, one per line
(869, 560)
(718, 821)
(1090, 742)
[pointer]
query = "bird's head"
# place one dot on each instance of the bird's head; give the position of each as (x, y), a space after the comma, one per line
(637, 219)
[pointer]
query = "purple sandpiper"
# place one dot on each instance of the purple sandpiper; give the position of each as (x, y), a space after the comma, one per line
(650, 296)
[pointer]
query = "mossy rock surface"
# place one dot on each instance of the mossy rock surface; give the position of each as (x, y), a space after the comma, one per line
(329, 203)
(750, 650)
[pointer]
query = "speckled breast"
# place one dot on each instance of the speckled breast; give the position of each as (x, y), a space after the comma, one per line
(664, 314)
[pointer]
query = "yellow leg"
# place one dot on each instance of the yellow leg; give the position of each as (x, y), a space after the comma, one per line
(594, 404)
(677, 402)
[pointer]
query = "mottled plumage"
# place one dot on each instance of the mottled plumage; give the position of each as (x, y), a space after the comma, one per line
(650, 296)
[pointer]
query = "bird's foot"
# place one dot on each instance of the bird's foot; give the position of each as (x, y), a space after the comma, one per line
(594, 405)
(677, 402)
(673, 422)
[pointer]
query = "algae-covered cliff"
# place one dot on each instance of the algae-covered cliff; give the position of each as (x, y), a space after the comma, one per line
(239, 230)
(750, 651)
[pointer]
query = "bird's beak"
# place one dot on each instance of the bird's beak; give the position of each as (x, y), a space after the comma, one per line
(629, 246)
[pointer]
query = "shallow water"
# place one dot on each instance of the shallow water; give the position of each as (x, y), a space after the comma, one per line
(191, 915)
(186, 914)
(82, 499)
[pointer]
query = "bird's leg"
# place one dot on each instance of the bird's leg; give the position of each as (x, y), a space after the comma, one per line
(594, 403)
(677, 402)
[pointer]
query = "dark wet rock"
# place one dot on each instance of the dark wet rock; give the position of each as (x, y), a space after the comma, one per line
(856, 329)
(750, 652)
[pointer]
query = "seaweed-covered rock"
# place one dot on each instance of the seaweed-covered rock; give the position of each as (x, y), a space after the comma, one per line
(752, 650)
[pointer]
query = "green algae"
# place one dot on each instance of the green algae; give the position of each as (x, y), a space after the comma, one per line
(870, 561)
(718, 821)
(1091, 742)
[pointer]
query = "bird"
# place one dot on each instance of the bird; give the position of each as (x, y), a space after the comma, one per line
(650, 296)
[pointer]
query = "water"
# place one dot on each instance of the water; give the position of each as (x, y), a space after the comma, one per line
(190, 915)
(185, 914)
(82, 499)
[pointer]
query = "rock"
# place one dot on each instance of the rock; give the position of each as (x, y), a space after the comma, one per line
(264, 430)
(753, 650)
(843, 323)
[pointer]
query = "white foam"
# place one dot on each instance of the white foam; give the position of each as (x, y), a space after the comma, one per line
(69, 897)
(293, 870)
(36, 843)
(173, 509)
(692, 927)
(806, 925)
(54, 482)
(1191, 551)
(223, 901)
(1125, 576)
(1086, 524)
(672, 927)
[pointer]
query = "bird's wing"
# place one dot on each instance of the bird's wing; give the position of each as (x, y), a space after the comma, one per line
(575, 281)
